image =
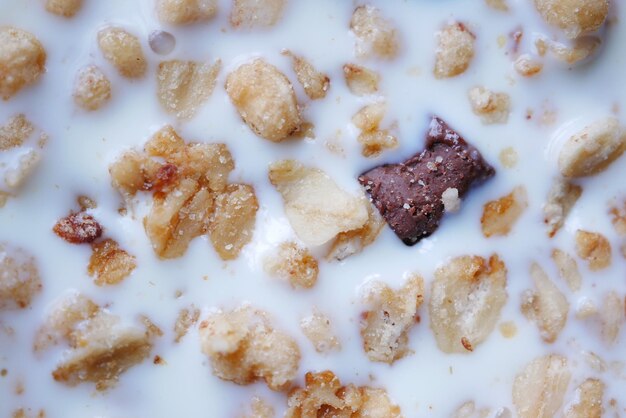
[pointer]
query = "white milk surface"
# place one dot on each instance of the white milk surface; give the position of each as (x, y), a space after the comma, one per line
(427, 383)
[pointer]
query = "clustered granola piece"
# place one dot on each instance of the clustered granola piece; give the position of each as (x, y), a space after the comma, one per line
(324, 396)
(376, 35)
(186, 318)
(574, 17)
(314, 83)
(455, 50)
(19, 277)
(184, 12)
(373, 139)
(249, 14)
(109, 264)
(92, 89)
(562, 197)
(492, 107)
(408, 194)
(65, 8)
(360, 80)
(123, 50)
(294, 264)
(499, 216)
(354, 241)
(244, 347)
(318, 329)
(593, 248)
(22, 60)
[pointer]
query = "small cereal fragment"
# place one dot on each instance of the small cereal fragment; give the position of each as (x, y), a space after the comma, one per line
(593, 149)
(492, 107)
(22, 60)
(184, 12)
(314, 83)
(469, 410)
(361, 81)
(450, 199)
(318, 329)
(467, 296)
(581, 49)
(574, 17)
(508, 157)
(260, 409)
(618, 214)
(390, 316)
(123, 50)
(498, 5)
(78, 228)
(354, 241)
(85, 202)
(92, 88)
(19, 277)
(527, 66)
(594, 248)
(244, 347)
(373, 139)
(133, 172)
(588, 400)
(324, 396)
(65, 8)
(109, 264)
(376, 36)
(499, 216)
(568, 269)
(316, 207)
(265, 99)
(546, 306)
(562, 197)
(294, 264)
(186, 318)
(183, 86)
(539, 389)
(455, 50)
(612, 317)
(15, 132)
(250, 14)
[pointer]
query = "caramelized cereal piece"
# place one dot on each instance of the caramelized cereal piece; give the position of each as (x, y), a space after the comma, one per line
(316, 207)
(562, 197)
(186, 318)
(244, 347)
(588, 403)
(183, 86)
(315, 84)
(22, 60)
(354, 241)
(499, 216)
(78, 228)
(165, 143)
(260, 409)
(594, 248)
(574, 17)
(390, 316)
(184, 12)
(467, 297)
(133, 172)
(611, 317)
(568, 269)
(15, 132)
(92, 89)
(19, 277)
(527, 66)
(539, 389)
(318, 329)
(123, 50)
(265, 99)
(294, 264)
(360, 80)
(455, 50)
(109, 264)
(546, 306)
(376, 36)
(498, 4)
(490, 106)
(368, 118)
(65, 8)
(256, 13)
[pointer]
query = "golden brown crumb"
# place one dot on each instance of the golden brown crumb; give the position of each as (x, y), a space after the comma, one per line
(22, 60)
(499, 216)
(314, 83)
(588, 400)
(561, 198)
(19, 277)
(527, 66)
(318, 329)
(294, 264)
(568, 269)
(498, 4)
(581, 49)
(373, 139)
(574, 17)
(123, 50)
(186, 318)
(508, 157)
(455, 50)
(360, 80)
(92, 89)
(250, 14)
(593, 248)
(78, 228)
(109, 264)
(16, 130)
(65, 8)
(183, 12)
(612, 317)
(375, 34)
(259, 409)
(353, 242)
(492, 107)
(618, 217)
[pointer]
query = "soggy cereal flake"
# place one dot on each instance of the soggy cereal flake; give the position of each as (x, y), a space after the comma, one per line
(265, 100)
(593, 248)
(469, 410)
(574, 17)
(546, 306)
(65, 8)
(259, 409)
(318, 329)
(109, 264)
(539, 389)
(186, 318)
(499, 216)
(451, 200)
(294, 264)
(498, 4)
(314, 83)
(256, 13)
(184, 12)
(376, 36)
(390, 316)
(612, 317)
(588, 400)
(593, 149)
(324, 396)
(527, 66)
(244, 347)
(353, 242)
(133, 172)
(581, 49)
(372, 138)
(78, 228)
(15, 132)
(467, 296)
(123, 50)
(492, 107)
(316, 207)
(618, 214)
(568, 269)
(92, 89)
(508, 157)
(455, 50)
(361, 81)
(19, 277)
(562, 197)
(184, 86)
(22, 60)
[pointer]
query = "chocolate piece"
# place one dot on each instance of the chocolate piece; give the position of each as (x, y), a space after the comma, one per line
(408, 194)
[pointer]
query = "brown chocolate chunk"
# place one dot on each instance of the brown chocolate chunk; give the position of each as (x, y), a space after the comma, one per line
(408, 194)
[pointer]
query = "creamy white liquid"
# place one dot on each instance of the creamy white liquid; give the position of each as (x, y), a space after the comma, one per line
(428, 383)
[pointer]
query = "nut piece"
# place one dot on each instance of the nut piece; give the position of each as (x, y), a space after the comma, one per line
(250, 14)
(184, 12)
(323, 396)
(574, 17)
(593, 149)
(588, 402)
(390, 316)
(65, 8)
(186, 318)
(594, 248)
(455, 50)
(265, 99)
(244, 347)
(373, 139)
(376, 35)
(562, 197)
(568, 269)
(294, 264)
(354, 241)
(539, 389)
(527, 66)
(361, 81)
(499, 216)
(316, 207)
(109, 264)
(22, 60)
(546, 306)
(78, 228)
(19, 277)
(92, 88)
(123, 51)
(183, 86)
(315, 84)
(612, 317)
(318, 329)
(491, 107)
(467, 296)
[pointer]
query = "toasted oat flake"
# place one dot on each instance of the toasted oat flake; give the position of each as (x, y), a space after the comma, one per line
(360, 80)
(593, 248)
(65, 8)
(492, 107)
(499, 216)
(22, 60)
(183, 12)
(15, 132)
(250, 14)
(574, 17)
(353, 242)
(612, 317)
(455, 50)
(314, 83)
(294, 264)
(562, 197)
(123, 50)
(373, 139)
(376, 35)
(109, 264)
(92, 89)
(588, 400)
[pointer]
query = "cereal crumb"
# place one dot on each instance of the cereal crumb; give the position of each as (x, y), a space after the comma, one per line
(314, 83)
(508, 157)
(186, 318)
(508, 329)
(184, 12)
(490, 106)
(353, 242)
(376, 36)
(612, 317)
(318, 329)
(250, 14)
(109, 264)
(499, 216)
(587, 400)
(294, 264)
(451, 200)
(123, 51)
(65, 8)
(581, 49)
(568, 269)
(19, 277)
(574, 17)
(92, 89)
(22, 60)
(78, 228)
(593, 248)
(498, 5)
(469, 410)
(527, 66)
(562, 197)
(455, 50)
(618, 214)
(15, 132)
(373, 139)
(259, 409)
(361, 81)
